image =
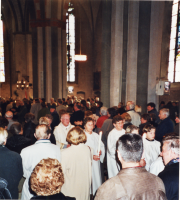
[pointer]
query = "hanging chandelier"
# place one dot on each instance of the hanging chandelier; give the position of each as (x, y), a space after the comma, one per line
(22, 85)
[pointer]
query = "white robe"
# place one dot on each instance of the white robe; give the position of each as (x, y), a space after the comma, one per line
(93, 142)
(113, 137)
(151, 152)
(60, 133)
(157, 166)
(31, 156)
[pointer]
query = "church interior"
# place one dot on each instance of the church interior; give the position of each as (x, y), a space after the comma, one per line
(127, 44)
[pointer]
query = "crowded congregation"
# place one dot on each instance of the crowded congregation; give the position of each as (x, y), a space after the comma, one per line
(79, 149)
(89, 99)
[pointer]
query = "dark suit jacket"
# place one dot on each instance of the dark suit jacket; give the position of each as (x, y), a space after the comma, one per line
(11, 169)
(170, 178)
(165, 126)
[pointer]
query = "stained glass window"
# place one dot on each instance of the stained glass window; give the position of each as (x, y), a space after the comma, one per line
(2, 70)
(174, 48)
(70, 40)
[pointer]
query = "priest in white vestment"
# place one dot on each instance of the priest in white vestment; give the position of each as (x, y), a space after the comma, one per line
(151, 146)
(157, 166)
(61, 131)
(112, 165)
(93, 142)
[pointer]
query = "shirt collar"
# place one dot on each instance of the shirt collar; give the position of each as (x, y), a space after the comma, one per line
(150, 140)
(43, 141)
(176, 160)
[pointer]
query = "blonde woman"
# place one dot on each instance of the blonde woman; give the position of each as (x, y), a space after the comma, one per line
(76, 164)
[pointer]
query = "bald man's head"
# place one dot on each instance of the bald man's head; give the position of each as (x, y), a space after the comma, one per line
(9, 115)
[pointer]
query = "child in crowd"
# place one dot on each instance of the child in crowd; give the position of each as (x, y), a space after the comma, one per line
(151, 146)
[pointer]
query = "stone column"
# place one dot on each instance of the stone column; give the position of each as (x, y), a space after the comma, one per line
(131, 77)
(59, 43)
(40, 62)
(20, 59)
(116, 52)
(106, 52)
(48, 53)
(29, 62)
(157, 10)
(64, 64)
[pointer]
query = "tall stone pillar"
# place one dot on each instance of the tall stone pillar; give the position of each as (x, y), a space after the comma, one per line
(29, 62)
(48, 53)
(116, 52)
(106, 52)
(40, 62)
(156, 26)
(132, 49)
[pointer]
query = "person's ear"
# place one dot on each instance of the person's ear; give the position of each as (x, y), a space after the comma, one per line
(35, 135)
(5, 142)
(119, 156)
(49, 136)
(142, 157)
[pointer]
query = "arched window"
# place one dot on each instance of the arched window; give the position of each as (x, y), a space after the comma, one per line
(174, 50)
(2, 70)
(70, 40)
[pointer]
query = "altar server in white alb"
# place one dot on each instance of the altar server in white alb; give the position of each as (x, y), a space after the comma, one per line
(151, 146)
(93, 142)
(33, 154)
(61, 131)
(157, 166)
(114, 135)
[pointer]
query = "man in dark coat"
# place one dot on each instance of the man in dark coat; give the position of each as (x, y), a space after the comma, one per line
(151, 107)
(170, 174)
(77, 116)
(10, 166)
(165, 126)
(55, 116)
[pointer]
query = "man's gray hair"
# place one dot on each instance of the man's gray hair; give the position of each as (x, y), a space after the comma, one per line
(165, 111)
(172, 142)
(131, 104)
(103, 110)
(130, 147)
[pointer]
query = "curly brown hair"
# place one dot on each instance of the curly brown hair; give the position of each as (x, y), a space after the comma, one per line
(47, 177)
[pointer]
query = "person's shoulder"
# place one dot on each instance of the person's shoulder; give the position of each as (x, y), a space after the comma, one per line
(157, 143)
(112, 131)
(109, 189)
(27, 149)
(170, 170)
(13, 153)
(94, 134)
(71, 126)
(58, 126)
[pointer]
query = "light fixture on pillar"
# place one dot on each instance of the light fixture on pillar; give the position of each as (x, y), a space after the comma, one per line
(80, 57)
(22, 85)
